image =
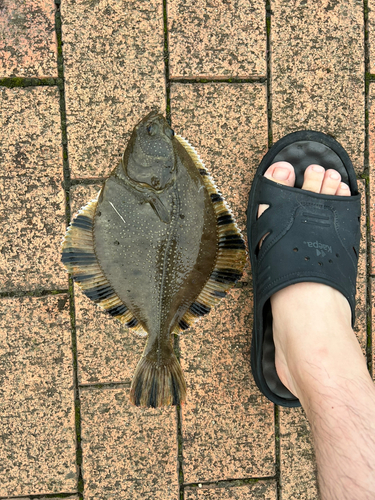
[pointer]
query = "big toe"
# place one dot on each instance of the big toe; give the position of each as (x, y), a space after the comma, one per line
(281, 172)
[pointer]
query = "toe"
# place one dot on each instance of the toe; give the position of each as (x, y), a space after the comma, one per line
(313, 178)
(343, 190)
(281, 172)
(331, 182)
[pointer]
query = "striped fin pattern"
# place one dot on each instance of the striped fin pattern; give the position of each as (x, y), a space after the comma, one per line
(231, 256)
(79, 258)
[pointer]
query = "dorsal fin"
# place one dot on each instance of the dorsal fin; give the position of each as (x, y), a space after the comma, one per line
(78, 256)
(231, 255)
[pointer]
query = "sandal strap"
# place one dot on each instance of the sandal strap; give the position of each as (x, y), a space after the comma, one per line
(310, 237)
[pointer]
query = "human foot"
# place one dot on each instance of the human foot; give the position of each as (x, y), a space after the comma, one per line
(313, 303)
(316, 179)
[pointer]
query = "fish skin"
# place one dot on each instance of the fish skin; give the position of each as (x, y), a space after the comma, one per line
(159, 264)
(156, 239)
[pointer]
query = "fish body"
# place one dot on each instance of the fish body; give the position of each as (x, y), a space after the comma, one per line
(158, 249)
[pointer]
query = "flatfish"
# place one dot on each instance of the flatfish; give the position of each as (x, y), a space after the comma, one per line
(157, 249)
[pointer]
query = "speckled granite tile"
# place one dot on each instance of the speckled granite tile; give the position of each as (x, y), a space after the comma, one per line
(227, 124)
(216, 38)
(33, 201)
(215, 354)
(27, 38)
(37, 452)
(360, 327)
(227, 426)
(114, 75)
(107, 350)
(297, 458)
(128, 452)
(371, 35)
(80, 195)
(318, 71)
(261, 490)
(372, 175)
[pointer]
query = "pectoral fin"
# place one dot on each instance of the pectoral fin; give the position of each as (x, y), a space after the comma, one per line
(159, 209)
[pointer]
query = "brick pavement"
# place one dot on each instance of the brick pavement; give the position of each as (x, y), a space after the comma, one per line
(232, 77)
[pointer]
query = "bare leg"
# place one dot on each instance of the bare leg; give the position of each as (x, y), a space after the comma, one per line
(319, 359)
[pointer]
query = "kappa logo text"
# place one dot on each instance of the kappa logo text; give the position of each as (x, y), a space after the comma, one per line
(321, 248)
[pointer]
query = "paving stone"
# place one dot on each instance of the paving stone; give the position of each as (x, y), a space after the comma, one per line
(33, 203)
(27, 38)
(128, 452)
(371, 35)
(227, 124)
(107, 350)
(262, 490)
(360, 326)
(216, 38)
(114, 71)
(318, 71)
(36, 397)
(215, 355)
(372, 174)
(227, 426)
(297, 458)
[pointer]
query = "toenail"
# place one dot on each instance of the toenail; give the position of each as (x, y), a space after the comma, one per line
(334, 175)
(344, 186)
(281, 174)
(318, 168)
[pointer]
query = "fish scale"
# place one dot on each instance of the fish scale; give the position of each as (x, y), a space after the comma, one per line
(157, 249)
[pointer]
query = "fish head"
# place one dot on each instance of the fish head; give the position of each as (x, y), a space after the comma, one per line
(150, 158)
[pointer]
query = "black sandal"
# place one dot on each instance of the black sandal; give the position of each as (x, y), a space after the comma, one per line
(309, 237)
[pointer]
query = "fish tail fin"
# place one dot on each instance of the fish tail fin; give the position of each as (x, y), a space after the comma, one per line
(157, 384)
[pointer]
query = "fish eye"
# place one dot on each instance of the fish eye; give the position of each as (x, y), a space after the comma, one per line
(151, 129)
(169, 133)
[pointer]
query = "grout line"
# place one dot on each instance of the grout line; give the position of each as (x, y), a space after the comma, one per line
(277, 451)
(268, 80)
(13, 82)
(231, 483)
(368, 79)
(256, 79)
(87, 181)
(179, 438)
(67, 184)
(42, 496)
(105, 385)
(166, 64)
(270, 142)
(32, 293)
